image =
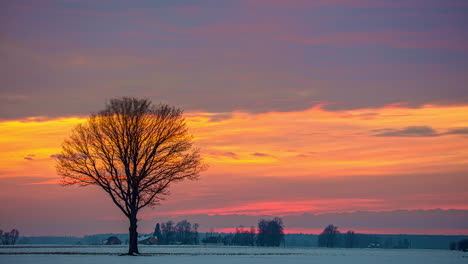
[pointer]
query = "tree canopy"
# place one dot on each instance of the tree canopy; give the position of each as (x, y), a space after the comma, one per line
(270, 232)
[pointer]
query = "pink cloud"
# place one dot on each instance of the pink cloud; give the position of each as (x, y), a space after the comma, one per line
(282, 208)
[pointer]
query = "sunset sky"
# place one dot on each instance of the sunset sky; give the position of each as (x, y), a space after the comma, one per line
(342, 112)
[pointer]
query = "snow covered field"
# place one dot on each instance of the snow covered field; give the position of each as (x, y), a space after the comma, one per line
(219, 254)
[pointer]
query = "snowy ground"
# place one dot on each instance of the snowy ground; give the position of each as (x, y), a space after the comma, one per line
(219, 254)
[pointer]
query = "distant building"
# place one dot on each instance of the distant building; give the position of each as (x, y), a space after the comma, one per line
(147, 240)
(113, 240)
(373, 245)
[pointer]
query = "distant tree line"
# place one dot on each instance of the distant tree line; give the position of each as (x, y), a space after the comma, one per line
(270, 233)
(332, 237)
(461, 245)
(242, 237)
(9, 238)
(181, 233)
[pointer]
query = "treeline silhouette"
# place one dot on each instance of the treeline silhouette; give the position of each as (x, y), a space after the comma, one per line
(170, 233)
(461, 245)
(331, 237)
(9, 238)
(267, 233)
(242, 237)
(270, 233)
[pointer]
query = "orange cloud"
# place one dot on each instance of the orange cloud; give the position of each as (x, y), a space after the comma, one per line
(314, 143)
(27, 145)
(322, 143)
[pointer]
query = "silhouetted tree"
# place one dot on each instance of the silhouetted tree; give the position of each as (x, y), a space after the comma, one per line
(157, 232)
(328, 237)
(453, 245)
(9, 238)
(243, 237)
(350, 239)
(252, 236)
(181, 233)
(185, 233)
(270, 233)
(463, 245)
(195, 233)
(134, 151)
(167, 233)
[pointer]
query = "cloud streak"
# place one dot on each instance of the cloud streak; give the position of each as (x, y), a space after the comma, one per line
(29, 157)
(418, 131)
(411, 131)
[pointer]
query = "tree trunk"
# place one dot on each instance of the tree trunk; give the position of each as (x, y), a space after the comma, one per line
(133, 236)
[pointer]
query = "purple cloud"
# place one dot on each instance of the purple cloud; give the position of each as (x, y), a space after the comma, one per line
(411, 131)
(29, 157)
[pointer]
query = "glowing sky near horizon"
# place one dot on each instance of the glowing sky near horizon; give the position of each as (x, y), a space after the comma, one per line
(315, 107)
(386, 157)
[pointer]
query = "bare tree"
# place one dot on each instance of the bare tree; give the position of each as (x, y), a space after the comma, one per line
(350, 239)
(134, 151)
(329, 236)
(9, 238)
